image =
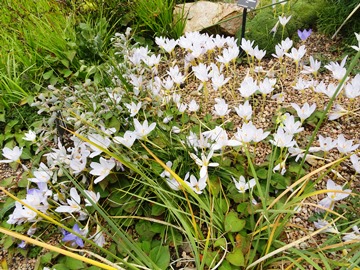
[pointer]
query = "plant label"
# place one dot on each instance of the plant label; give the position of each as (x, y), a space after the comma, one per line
(250, 4)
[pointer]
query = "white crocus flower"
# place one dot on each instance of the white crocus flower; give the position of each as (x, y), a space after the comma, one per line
(286, 44)
(283, 139)
(133, 108)
(244, 111)
(127, 140)
(73, 203)
(357, 48)
(332, 197)
(242, 186)
(12, 155)
(322, 223)
(313, 68)
(43, 175)
(103, 142)
(196, 185)
(248, 87)
(30, 136)
(284, 20)
(221, 107)
(338, 70)
(193, 106)
(281, 167)
(290, 126)
(95, 197)
(305, 111)
(337, 112)
(355, 162)
(326, 144)
(297, 54)
(143, 130)
(355, 235)
(345, 146)
(204, 162)
(246, 45)
(101, 169)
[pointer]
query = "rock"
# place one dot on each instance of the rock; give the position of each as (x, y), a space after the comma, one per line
(205, 14)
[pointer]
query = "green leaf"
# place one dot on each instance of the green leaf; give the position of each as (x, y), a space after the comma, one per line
(262, 173)
(47, 75)
(70, 55)
(6, 182)
(161, 256)
(236, 257)
(46, 258)
(8, 242)
(60, 266)
(279, 181)
(143, 228)
(67, 73)
(4, 207)
(23, 181)
(157, 210)
(221, 242)
(233, 223)
(65, 62)
(114, 123)
(72, 263)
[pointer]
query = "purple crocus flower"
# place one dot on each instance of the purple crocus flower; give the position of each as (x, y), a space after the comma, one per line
(303, 35)
(72, 238)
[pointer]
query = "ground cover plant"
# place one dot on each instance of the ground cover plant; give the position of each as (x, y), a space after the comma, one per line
(186, 159)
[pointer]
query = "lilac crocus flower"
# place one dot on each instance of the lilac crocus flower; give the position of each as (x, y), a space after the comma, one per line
(72, 238)
(303, 35)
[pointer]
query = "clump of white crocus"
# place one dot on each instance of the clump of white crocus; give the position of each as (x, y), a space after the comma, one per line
(333, 196)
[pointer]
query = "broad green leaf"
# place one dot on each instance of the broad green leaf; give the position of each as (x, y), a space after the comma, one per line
(161, 256)
(262, 173)
(236, 257)
(72, 263)
(157, 210)
(47, 75)
(6, 182)
(233, 223)
(46, 258)
(221, 242)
